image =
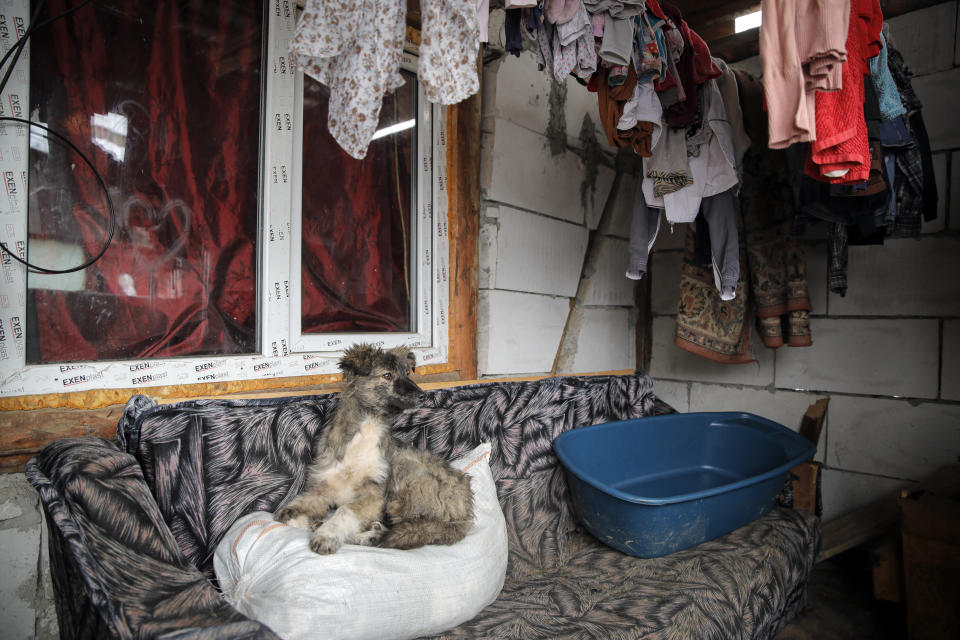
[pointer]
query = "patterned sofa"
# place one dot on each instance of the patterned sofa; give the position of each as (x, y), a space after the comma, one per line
(133, 525)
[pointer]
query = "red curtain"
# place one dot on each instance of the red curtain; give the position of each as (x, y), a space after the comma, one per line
(180, 276)
(356, 216)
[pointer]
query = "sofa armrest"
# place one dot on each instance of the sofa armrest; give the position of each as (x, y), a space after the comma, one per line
(117, 569)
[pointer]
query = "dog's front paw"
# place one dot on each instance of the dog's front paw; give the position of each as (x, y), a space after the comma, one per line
(373, 535)
(286, 514)
(293, 517)
(323, 545)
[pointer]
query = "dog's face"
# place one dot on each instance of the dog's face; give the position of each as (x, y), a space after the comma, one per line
(380, 380)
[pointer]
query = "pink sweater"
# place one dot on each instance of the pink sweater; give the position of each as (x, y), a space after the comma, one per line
(802, 46)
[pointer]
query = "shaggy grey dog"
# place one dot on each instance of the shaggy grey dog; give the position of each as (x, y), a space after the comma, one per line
(361, 477)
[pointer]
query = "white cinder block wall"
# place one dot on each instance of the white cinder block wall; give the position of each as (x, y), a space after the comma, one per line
(542, 195)
(888, 353)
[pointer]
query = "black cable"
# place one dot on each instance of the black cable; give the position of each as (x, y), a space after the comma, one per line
(113, 216)
(15, 51)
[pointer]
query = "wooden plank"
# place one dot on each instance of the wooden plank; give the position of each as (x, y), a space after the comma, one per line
(886, 562)
(930, 570)
(859, 526)
(812, 422)
(806, 478)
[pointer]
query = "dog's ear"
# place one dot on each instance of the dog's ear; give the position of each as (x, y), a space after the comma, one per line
(404, 355)
(358, 360)
(412, 359)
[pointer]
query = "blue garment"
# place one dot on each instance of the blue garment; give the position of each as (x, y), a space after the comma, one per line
(514, 38)
(895, 134)
(889, 97)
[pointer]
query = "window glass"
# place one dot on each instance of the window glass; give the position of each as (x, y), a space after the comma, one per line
(357, 240)
(164, 99)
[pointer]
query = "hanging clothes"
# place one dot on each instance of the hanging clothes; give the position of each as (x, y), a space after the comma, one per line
(888, 97)
(927, 201)
(802, 47)
(694, 67)
(612, 101)
(708, 171)
(449, 42)
(841, 150)
(775, 258)
(355, 48)
(707, 326)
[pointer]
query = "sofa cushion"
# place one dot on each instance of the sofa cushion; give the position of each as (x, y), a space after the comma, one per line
(746, 584)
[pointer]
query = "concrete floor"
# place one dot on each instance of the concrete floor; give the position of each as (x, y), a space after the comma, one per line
(841, 605)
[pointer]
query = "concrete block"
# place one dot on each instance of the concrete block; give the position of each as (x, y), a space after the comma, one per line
(583, 114)
(595, 192)
(676, 394)
(885, 357)
(623, 207)
(953, 208)
(937, 92)
(784, 407)
(522, 172)
(607, 342)
(487, 247)
(844, 491)
(904, 277)
(47, 624)
(19, 555)
(534, 253)
(926, 37)
(665, 281)
(817, 285)
(609, 285)
(893, 438)
(671, 362)
(19, 504)
(522, 92)
(950, 357)
(518, 332)
(19, 551)
(940, 175)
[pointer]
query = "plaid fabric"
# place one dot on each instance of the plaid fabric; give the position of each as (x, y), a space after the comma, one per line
(837, 246)
(908, 190)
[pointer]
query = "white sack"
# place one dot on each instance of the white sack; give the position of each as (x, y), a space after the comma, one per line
(268, 572)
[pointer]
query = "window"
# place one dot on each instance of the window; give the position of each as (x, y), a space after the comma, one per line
(216, 271)
(366, 269)
(173, 127)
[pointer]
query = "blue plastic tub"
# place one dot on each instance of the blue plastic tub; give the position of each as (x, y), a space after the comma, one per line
(652, 486)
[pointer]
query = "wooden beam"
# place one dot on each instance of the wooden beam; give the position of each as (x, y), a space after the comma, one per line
(713, 19)
(737, 46)
(463, 202)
